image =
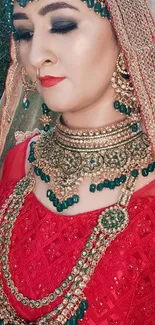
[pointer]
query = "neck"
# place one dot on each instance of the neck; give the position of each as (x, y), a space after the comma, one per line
(100, 113)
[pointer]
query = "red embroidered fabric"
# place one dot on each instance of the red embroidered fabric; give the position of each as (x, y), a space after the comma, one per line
(45, 246)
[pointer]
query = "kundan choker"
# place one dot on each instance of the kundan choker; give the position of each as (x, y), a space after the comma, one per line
(64, 156)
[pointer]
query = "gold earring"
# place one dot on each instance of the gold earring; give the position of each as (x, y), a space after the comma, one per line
(125, 102)
(28, 86)
(38, 73)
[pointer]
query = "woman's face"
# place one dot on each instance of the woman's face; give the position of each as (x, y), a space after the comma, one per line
(71, 42)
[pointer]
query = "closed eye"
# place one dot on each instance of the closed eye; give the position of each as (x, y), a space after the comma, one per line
(63, 28)
(24, 35)
(57, 28)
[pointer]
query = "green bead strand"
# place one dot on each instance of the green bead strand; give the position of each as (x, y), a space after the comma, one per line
(70, 202)
(123, 179)
(151, 168)
(75, 198)
(37, 171)
(84, 305)
(110, 184)
(145, 172)
(31, 158)
(73, 320)
(105, 13)
(100, 187)
(48, 193)
(55, 202)
(80, 313)
(67, 323)
(60, 206)
(106, 183)
(52, 197)
(117, 182)
(122, 108)
(64, 205)
(97, 7)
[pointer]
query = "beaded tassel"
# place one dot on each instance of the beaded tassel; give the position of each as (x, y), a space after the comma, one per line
(46, 118)
(99, 7)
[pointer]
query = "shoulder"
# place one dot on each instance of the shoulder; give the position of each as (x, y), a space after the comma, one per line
(14, 163)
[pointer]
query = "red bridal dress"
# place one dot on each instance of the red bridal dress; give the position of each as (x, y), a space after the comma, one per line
(45, 246)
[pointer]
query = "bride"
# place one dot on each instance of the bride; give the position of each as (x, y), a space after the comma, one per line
(77, 199)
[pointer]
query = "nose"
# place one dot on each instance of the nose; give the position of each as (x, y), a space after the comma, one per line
(41, 52)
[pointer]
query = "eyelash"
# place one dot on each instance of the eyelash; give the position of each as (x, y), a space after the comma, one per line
(26, 36)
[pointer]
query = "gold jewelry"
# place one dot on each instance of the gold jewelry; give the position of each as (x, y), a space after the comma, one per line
(126, 101)
(46, 118)
(67, 145)
(106, 156)
(38, 73)
(28, 86)
(110, 223)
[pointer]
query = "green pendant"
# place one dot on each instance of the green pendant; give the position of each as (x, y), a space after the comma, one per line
(60, 206)
(26, 104)
(114, 219)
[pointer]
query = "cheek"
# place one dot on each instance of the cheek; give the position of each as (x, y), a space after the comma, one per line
(93, 57)
(24, 49)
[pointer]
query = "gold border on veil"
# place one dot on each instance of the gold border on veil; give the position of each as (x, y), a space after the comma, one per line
(11, 95)
(135, 29)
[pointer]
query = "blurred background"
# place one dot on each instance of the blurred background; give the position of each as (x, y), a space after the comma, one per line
(4, 48)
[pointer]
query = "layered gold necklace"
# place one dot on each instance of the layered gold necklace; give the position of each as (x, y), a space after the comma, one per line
(110, 157)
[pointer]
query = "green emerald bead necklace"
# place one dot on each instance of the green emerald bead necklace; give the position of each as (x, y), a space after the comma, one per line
(70, 155)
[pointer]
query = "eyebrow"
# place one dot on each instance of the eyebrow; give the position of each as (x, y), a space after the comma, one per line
(45, 10)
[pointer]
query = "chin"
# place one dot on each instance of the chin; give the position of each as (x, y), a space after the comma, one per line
(60, 100)
(60, 105)
(57, 108)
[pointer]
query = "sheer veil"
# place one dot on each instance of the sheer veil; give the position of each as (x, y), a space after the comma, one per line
(139, 51)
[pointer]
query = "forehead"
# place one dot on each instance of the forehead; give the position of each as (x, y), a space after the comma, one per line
(55, 4)
(42, 7)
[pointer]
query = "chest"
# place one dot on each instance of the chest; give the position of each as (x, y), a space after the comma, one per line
(44, 248)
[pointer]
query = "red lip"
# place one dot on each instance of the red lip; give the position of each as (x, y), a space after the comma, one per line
(48, 81)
